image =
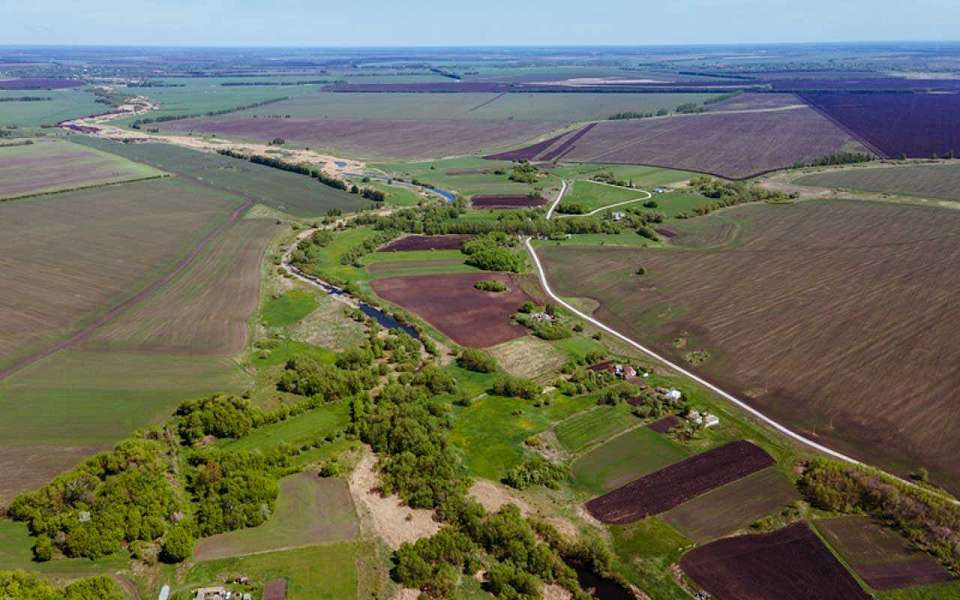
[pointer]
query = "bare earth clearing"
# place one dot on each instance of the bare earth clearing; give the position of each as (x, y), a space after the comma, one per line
(834, 318)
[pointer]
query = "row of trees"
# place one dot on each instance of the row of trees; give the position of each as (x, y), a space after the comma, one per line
(213, 113)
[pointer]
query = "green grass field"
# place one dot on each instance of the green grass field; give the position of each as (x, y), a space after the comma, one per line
(335, 571)
(590, 427)
(310, 510)
(642, 177)
(467, 176)
(329, 419)
(206, 94)
(644, 552)
(289, 308)
(16, 545)
(624, 458)
(940, 591)
(592, 195)
(298, 195)
(940, 181)
(492, 430)
(64, 105)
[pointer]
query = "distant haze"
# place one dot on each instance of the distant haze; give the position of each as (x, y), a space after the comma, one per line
(479, 22)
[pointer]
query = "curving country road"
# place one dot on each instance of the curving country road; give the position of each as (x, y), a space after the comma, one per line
(783, 429)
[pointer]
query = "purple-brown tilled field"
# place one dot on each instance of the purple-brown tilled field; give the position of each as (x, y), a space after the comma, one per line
(732, 145)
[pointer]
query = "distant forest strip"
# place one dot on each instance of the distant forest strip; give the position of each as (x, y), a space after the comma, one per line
(27, 99)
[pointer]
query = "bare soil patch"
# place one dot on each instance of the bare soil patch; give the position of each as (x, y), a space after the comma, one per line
(393, 521)
(788, 564)
(426, 242)
(507, 201)
(679, 482)
(450, 303)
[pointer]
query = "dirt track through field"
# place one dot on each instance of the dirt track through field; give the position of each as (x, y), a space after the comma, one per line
(118, 309)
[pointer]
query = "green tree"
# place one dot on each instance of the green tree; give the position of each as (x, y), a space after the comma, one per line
(177, 545)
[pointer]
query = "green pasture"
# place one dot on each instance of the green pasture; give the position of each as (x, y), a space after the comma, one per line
(491, 431)
(593, 195)
(329, 419)
(592, 426)
(624, 458)
(64, 105)
(288, 308)
(644, 551)
(641, 176)
(16, 552)
(79, 398)
(201, 95)
(467, 176)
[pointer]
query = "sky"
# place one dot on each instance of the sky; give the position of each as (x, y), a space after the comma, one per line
(473, 23)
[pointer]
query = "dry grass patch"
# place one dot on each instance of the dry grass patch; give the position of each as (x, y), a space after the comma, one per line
(528, 357)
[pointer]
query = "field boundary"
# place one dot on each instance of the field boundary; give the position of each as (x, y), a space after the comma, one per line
(542, 276)
(88, 187)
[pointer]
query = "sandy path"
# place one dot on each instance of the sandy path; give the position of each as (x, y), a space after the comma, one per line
(99, 126)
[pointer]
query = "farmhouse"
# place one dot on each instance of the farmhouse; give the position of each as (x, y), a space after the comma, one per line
(703, 419)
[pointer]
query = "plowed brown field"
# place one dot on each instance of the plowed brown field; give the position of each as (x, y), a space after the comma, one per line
(679, 482)
(450, 303)
(789, 564)
(838, 319)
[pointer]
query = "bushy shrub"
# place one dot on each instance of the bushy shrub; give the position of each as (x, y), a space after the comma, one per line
(536, 471)
(177, 545)
(516, 387)
(490, 285)
(477, 361)
(220, 415)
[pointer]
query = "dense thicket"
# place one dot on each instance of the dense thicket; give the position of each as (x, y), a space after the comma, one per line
(494, 252)
(477, 361)
(112, 498)
(234, 489)
(407, 427)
